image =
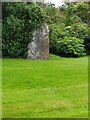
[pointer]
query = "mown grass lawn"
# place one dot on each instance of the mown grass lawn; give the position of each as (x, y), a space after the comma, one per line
(55, 88)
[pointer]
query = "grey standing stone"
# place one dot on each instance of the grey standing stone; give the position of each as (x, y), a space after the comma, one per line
(38, 48)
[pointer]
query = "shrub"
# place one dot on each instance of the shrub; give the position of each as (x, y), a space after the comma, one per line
(67, 41)
(56, 32)
(80, 30)
(71, 46)
(19, 20)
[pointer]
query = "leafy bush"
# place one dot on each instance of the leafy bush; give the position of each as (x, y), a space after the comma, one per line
(67, 41)
(71, 46)
(56, 32)
(19, 20)
(78, 30)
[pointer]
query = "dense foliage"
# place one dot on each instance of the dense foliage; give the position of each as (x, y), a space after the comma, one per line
(68, 40)
(70, 36)
(19, 19)
(67, 24)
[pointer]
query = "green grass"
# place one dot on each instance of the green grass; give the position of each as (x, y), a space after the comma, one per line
(55, 88)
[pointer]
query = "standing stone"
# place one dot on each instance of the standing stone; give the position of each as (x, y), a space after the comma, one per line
(38, 48)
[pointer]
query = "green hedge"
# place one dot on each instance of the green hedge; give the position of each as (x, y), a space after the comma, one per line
(19, 20)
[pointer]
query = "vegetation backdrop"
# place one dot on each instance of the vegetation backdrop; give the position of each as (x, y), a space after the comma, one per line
(67, 24)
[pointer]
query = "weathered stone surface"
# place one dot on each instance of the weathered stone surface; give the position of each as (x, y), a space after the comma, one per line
(39, 47)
